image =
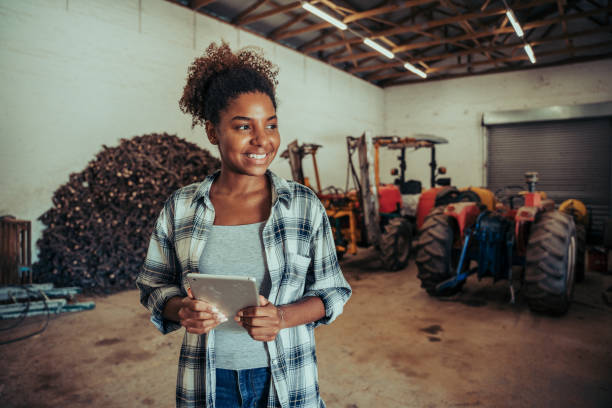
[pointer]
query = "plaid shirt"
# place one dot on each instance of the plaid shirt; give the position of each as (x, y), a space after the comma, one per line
(301, 259)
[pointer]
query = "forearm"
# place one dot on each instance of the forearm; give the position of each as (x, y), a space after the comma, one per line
(171, 310)
(307, 310)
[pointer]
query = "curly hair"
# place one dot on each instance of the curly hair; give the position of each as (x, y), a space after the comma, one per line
(219, 76)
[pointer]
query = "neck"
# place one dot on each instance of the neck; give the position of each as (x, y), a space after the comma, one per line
(229, 183)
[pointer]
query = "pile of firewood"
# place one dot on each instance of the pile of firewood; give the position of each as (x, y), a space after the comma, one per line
(98, 231)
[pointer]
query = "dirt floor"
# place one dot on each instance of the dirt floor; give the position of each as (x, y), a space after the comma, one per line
(394, 346)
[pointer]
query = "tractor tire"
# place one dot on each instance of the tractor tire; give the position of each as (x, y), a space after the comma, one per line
(435, 257)
(580, 252)
(396, 244)
(551, 263)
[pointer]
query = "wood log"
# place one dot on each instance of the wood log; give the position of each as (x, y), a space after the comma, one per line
(98, 230)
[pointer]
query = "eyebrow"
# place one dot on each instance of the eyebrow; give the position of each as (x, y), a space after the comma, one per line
(247, 118)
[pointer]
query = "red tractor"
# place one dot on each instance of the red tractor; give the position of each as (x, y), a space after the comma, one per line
(465, 237)
(372, 213)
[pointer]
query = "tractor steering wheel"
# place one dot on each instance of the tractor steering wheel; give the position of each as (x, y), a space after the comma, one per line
(508, 194)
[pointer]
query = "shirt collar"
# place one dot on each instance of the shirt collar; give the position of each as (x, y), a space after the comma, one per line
(280, 189)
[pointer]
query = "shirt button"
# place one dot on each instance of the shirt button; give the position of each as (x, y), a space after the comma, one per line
(274, 361)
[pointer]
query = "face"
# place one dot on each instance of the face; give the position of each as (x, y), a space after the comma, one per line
(247, 134)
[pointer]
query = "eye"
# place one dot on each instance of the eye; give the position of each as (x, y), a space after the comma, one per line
(243, 127)
(272, 126)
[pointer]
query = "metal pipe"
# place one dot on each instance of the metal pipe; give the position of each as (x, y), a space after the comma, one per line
(433, 165)
(316, 170)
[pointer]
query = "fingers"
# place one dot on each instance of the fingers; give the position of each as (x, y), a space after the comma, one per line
(262, 323)
(197, 326)
(266, 309)
(266, 321)
(198, 305)
(198, 316)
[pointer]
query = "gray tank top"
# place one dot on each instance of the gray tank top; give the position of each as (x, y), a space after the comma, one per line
(237, 250)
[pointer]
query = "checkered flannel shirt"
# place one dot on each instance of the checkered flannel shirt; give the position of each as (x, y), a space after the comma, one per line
(301, 259)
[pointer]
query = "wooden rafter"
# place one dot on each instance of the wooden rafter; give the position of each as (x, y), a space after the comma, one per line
(238, 19)
(560, 6)
(516, 45)
(599, 23)
(490, 32)
(307, 29)
(445, 38)
(198, 4)
(442, 22)
(384, 9)
(358, 16)
(350, 51)
(266, 14)
(324, 34)
(342, 43)
(279, 30)
(361, 56)
(459, 18)
(466, 26)
(522, 57)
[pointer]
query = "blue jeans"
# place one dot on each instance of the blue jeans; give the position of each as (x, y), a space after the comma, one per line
(242, 388)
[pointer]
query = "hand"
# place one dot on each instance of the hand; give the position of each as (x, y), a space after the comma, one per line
(197, 316)
(261, 322)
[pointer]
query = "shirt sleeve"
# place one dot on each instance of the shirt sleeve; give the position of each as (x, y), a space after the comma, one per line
(324, 278)
(159, 278)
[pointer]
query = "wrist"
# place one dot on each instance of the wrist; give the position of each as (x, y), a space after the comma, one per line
(281, 317)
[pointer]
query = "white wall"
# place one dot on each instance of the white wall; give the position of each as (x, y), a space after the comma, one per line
(77, 74)
(453, 109)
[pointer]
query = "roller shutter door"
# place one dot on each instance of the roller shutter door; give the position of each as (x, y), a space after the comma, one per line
(572, 158)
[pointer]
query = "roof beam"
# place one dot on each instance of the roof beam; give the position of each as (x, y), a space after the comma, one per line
(560, 6)
(293, 33)
(400, 81)
(522, 57)
(198, 4)
(459, 18)
(384, 9)
(358, 16)
(266, 14)
(490, 32)
(297, 19)
(324, 34)
(238, 19)
(480, 50)
(436, 23)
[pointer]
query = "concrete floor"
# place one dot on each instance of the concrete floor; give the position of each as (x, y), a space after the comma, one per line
(393, 347)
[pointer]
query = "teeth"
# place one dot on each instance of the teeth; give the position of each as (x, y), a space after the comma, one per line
(256, 156)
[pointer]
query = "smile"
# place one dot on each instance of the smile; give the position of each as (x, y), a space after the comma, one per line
(256, 156)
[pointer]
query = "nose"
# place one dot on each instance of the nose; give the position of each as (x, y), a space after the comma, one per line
(260, 136)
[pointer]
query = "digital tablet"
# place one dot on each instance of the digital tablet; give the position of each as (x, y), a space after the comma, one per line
(228, 293)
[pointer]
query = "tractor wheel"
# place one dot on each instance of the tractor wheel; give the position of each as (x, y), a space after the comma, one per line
(580, 252)
(551, 263)
(435, 257)
(396, 244)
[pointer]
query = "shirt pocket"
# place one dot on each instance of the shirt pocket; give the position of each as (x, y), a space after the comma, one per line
(296, 269)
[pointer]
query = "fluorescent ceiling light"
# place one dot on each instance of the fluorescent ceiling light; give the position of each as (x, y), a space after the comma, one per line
(378, 48)
(415, 70)
(514, 22)
(324, 16)
(530, 53)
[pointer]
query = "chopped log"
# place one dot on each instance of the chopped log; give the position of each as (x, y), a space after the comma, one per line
(98, 230)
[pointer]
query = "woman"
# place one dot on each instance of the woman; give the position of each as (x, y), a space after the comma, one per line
(243, 220)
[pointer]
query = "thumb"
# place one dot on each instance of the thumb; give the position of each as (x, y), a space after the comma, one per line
(189, 293)
(263, 301)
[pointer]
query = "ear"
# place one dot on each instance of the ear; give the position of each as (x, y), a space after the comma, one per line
(211, 132)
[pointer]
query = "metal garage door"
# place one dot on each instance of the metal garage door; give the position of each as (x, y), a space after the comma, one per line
(572, 158)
